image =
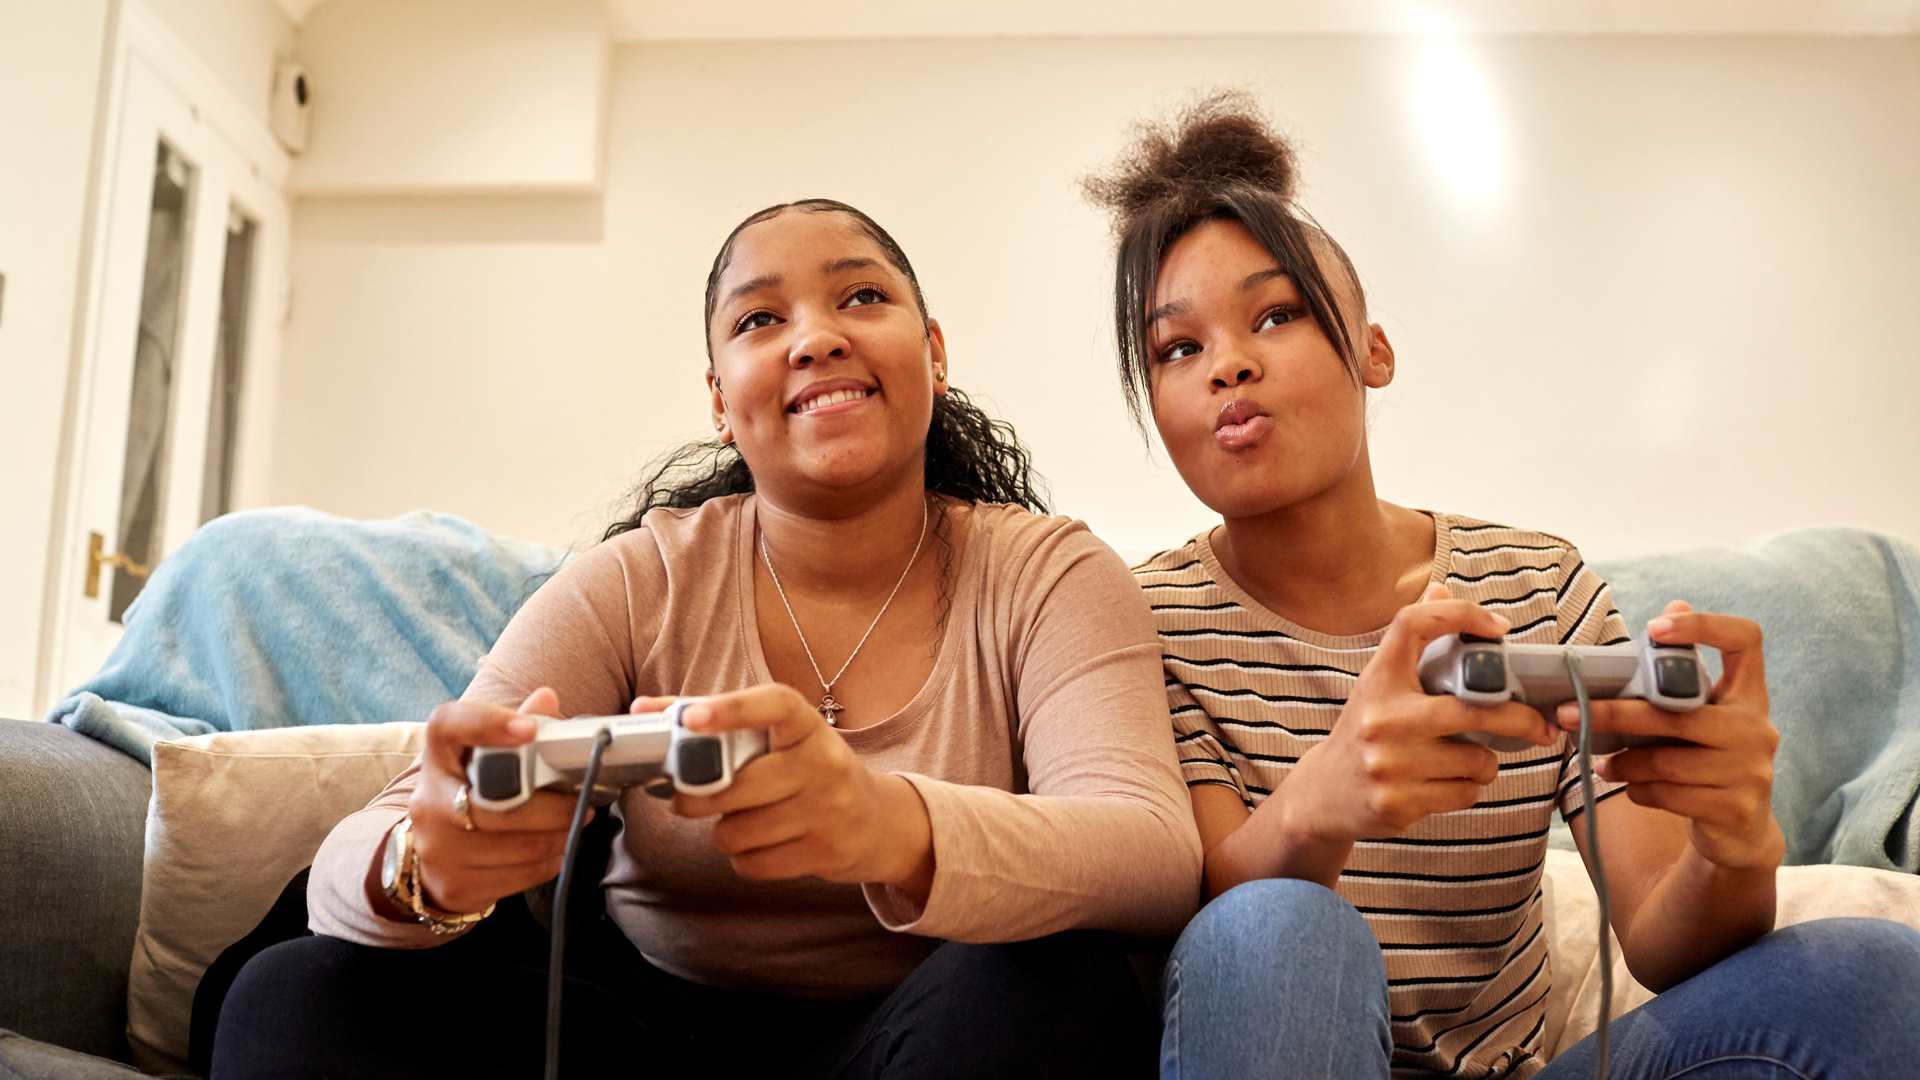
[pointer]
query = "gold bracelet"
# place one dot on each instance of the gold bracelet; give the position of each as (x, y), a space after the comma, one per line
(400, 877)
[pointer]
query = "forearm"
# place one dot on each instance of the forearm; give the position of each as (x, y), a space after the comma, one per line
(907, 856)
(1696, 915)
(1273, 843)
(344, 898)
(1010, 867)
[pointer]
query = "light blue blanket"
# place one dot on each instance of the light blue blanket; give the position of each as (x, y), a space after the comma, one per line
(1841, 613)
(283, 617)
(274, 618)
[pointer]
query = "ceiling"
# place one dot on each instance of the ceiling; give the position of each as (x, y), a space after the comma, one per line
(681, 20)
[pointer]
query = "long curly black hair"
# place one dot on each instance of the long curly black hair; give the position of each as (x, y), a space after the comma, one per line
(970, 456)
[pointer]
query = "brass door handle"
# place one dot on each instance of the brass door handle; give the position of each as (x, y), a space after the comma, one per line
(97, 558)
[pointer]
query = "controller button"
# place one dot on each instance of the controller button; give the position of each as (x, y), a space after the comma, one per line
(1484, 671)
(697, 760)
(499, 777)
(1476, 639)
(1676, 676)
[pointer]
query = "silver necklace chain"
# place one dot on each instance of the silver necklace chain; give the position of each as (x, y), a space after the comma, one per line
(830, 708)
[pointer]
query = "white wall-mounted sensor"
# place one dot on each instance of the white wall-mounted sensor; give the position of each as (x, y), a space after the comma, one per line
(292, 106)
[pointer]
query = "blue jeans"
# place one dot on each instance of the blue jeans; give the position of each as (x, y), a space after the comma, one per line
(1275, 978)
(1835, 998)
(1283, 978)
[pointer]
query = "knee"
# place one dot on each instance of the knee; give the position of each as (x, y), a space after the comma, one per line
(1299, 913)
(1272, 971)
(1077, 969)
(281, 975)
(1065, 1005)
(282, 994)
(1879, 954)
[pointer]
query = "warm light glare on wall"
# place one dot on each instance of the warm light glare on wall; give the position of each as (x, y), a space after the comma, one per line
(1456, 113)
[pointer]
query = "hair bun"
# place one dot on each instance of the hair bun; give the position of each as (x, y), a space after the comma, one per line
(1223, 140)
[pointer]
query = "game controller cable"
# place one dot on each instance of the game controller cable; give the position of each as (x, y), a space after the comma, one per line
(1593, 856)
(557, 947)
(604, 737)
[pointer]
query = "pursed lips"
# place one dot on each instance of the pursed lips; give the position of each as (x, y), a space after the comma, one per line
(1240, 424)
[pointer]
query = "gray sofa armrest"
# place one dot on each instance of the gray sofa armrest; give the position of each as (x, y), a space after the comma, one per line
(72, 829)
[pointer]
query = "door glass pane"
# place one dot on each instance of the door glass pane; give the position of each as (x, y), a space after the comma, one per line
(229, 365)
(144, 477)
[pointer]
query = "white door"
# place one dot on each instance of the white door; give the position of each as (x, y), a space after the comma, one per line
(186, 305)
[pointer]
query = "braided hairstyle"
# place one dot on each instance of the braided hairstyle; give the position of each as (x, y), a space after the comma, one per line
(1219, 160)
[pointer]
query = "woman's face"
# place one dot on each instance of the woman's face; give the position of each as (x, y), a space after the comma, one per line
(824, 372)
(1255, 406)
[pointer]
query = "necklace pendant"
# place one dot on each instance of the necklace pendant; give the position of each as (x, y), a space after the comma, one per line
(830, 710)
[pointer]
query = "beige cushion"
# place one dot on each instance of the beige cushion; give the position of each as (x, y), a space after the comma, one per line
(1805, 893)
(234, 816)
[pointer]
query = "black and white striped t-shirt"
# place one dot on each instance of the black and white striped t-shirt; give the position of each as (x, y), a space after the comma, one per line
(1455, 902)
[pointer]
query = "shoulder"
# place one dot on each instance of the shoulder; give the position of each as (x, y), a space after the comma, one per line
(1032, 560)
(677, 531)
(1018, 539)
(1469, 535)
(1539, 580)
(644, 559)
(1180, 562)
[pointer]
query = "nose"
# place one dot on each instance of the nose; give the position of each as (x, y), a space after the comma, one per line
(1232, 368)
(817, 339)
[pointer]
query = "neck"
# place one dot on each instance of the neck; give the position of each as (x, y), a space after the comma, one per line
(1337, 561)
(860, 552)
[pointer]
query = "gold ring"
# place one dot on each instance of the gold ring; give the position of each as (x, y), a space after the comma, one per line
(461, 809)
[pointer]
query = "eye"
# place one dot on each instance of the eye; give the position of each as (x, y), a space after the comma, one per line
(754, 320)
(1279, 316)
(1179, 350)
(865, 294)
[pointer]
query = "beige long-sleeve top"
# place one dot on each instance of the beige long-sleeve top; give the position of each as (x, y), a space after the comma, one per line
(1039, 744)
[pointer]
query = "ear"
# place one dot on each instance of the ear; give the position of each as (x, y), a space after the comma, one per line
(937, 348)
(723, 431)
(1377, 365)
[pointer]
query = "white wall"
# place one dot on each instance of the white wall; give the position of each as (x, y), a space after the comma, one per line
(240, 41)
(52, 63)
(468, 95)
(1663, 299)
(50, 66)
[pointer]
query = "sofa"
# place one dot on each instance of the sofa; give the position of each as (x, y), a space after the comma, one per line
(1844, 671)
(73, 816)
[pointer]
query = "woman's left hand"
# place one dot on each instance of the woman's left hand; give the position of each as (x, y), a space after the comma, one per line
(1721, 777)
(809, 807)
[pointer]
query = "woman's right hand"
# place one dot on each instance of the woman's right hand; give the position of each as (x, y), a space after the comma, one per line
(505, 853)
(1390, 760)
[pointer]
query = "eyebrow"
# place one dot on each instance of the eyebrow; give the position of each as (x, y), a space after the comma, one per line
(770, 281)
(1261, 277)
(1181, 307)
(1164, 311)
(752, 285)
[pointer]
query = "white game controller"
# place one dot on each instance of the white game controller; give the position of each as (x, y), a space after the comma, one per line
(652, 751)
(1489, 671)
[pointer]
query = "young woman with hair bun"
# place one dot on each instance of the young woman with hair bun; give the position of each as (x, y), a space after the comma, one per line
(1373, 881)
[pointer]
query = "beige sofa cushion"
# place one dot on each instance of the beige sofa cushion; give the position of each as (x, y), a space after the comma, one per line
(234, 817)
(1805, 893)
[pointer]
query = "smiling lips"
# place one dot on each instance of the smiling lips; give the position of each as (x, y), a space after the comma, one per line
(1241, 424)
(833, 395)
